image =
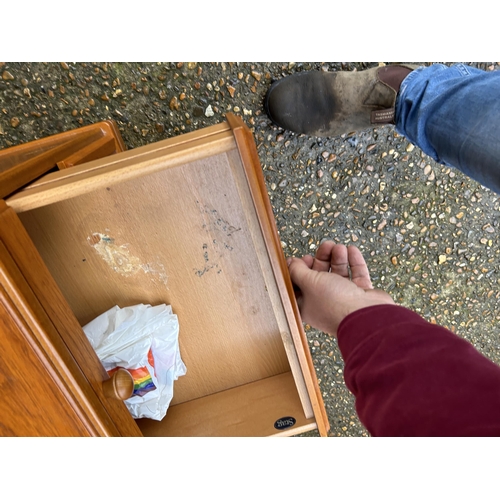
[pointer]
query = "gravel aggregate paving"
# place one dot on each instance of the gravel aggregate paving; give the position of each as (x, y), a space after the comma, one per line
(430, 235)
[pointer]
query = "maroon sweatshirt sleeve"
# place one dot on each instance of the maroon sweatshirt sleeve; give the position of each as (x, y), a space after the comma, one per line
(413, 378)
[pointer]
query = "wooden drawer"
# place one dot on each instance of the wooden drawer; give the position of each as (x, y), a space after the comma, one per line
(187, 222)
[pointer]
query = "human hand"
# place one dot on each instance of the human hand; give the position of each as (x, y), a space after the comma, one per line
(326, 293)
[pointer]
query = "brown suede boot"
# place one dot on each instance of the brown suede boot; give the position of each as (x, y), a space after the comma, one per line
(331, 104)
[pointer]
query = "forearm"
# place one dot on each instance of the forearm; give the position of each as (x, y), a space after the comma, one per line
(412, 378)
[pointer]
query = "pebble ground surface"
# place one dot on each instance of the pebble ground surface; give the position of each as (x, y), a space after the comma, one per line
(429, 234)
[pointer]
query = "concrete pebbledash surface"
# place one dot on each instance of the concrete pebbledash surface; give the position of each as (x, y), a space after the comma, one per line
(429, 234)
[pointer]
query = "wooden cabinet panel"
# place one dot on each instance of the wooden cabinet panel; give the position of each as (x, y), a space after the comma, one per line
(50, 325)
(32, 403)
(186, 222)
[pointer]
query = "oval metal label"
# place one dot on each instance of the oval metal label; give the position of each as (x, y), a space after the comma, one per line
(284, 423)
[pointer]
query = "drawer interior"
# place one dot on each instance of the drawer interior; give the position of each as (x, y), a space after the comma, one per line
(186, 234)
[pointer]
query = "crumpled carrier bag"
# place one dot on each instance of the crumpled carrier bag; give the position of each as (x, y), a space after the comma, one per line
(143, 339)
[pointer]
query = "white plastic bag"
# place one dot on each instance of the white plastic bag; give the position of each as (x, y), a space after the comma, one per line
(144, 340)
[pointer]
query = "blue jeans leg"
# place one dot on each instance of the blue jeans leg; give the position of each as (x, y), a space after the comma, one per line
(453, 115)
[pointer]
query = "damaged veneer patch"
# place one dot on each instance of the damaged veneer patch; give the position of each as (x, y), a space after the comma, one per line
(119, 259)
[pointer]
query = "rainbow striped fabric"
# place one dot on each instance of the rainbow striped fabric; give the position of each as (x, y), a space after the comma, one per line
(143, 383)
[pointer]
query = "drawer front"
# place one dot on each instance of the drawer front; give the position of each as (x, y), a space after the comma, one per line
(51, 348)
(34, 402)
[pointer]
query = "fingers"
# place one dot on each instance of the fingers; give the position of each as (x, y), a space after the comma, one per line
(308, 260)
(359, 270)
(322, 259)
(332, 257)
(299, 271)
(338, 259)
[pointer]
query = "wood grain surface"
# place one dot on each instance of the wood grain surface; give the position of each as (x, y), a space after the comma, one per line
(179, 236)
(183, 222)
(54, 327)
(248, 410)
(32, 403)
(250, 160)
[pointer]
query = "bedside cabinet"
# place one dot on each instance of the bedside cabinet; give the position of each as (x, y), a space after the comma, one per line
(187, 222)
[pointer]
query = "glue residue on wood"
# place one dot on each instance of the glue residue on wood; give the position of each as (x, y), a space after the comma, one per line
(119, 259)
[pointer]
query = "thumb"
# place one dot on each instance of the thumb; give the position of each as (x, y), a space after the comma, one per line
(300, 273)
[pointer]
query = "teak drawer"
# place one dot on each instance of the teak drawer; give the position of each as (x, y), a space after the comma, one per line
(187, 222)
